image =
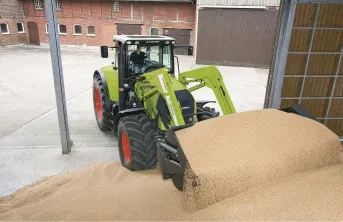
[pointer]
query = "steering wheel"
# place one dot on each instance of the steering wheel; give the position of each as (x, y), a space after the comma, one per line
(153, 64)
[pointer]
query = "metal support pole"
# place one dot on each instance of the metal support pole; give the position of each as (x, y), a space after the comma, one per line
(55, 52)
(282, 53)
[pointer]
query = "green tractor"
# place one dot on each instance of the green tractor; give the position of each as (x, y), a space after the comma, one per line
(141, 101)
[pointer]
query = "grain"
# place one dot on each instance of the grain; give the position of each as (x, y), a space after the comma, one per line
(232, 154)
(109, 192)
(262, 183)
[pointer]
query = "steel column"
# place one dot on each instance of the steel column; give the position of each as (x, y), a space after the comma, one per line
(55, 52)
(282, 52)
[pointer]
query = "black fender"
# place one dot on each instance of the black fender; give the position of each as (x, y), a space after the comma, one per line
(127, 112)
(103, 80)
(108, 102)
(200, 104)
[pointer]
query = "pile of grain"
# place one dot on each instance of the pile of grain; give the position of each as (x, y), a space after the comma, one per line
(232, 154)
(110, 192)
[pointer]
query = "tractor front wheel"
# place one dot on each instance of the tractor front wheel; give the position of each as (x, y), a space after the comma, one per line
(137, 143)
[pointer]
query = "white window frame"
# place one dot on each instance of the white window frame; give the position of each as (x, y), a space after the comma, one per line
(46, 27)
(159, 31)
(41, 4)
(59, 32)
(116, 6)
(22, 25)
(60, 1)
(8, 30)
(87, 30)
(74, 29)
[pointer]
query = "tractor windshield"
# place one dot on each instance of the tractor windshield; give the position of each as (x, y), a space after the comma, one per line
(163, 61)
(146, 58)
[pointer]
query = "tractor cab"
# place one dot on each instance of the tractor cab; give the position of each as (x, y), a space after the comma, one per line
(144, 58)
(139, 54)
(136, 55)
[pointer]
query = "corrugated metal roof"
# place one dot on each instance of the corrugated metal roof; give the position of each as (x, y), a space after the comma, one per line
(154, 0)
(239, 2)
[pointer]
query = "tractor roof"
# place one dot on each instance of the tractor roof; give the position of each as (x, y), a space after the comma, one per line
(124, 38)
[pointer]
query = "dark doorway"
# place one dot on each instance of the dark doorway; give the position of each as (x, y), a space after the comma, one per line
(33, 33)
(182, 37)
(129, 29)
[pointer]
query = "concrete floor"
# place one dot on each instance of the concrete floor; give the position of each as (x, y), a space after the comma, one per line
(29, 134)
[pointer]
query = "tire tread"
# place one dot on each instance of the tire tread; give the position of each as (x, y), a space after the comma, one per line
(142, 141)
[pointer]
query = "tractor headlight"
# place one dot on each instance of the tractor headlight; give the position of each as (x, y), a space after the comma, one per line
(136, 42)
(167, 42)
(173, 42)
(128, 42)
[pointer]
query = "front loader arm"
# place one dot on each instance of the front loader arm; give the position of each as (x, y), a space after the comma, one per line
(210, 76)
(160, 82)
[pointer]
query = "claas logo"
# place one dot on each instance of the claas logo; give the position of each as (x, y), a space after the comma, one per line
(164, 83)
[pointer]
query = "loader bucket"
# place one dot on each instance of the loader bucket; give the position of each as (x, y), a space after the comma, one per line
(172, 159)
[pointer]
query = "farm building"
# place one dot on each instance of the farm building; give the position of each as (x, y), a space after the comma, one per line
(244, 32)
(13, 26)
(244, 29)
(94, 22)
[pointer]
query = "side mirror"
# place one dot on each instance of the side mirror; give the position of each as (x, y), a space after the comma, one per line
(104, 51)
(190, 50)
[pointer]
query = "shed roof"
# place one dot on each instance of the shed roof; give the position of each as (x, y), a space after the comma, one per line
(154, 0)
(238, 2)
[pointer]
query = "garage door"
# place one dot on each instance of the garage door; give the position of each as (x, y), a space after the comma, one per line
(182, 37)
(236, 37)
(129, 29)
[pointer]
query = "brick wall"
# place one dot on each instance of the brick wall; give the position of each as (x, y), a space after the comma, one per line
(101, 15)
(11, 13)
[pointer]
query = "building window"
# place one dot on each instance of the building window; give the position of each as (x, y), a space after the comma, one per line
(46, 27)
(4, 28)
(62, 29)
(59, 4)
(154, 31)
(91, 30)
(38, 4)
(77, 30)
(116, 6)
(20, 27)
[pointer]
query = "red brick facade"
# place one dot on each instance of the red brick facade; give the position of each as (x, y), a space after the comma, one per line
(101, 15)
(11, 13)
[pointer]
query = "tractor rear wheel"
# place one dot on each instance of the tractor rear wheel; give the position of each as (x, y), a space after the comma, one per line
(137, 143)
(102, 115)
